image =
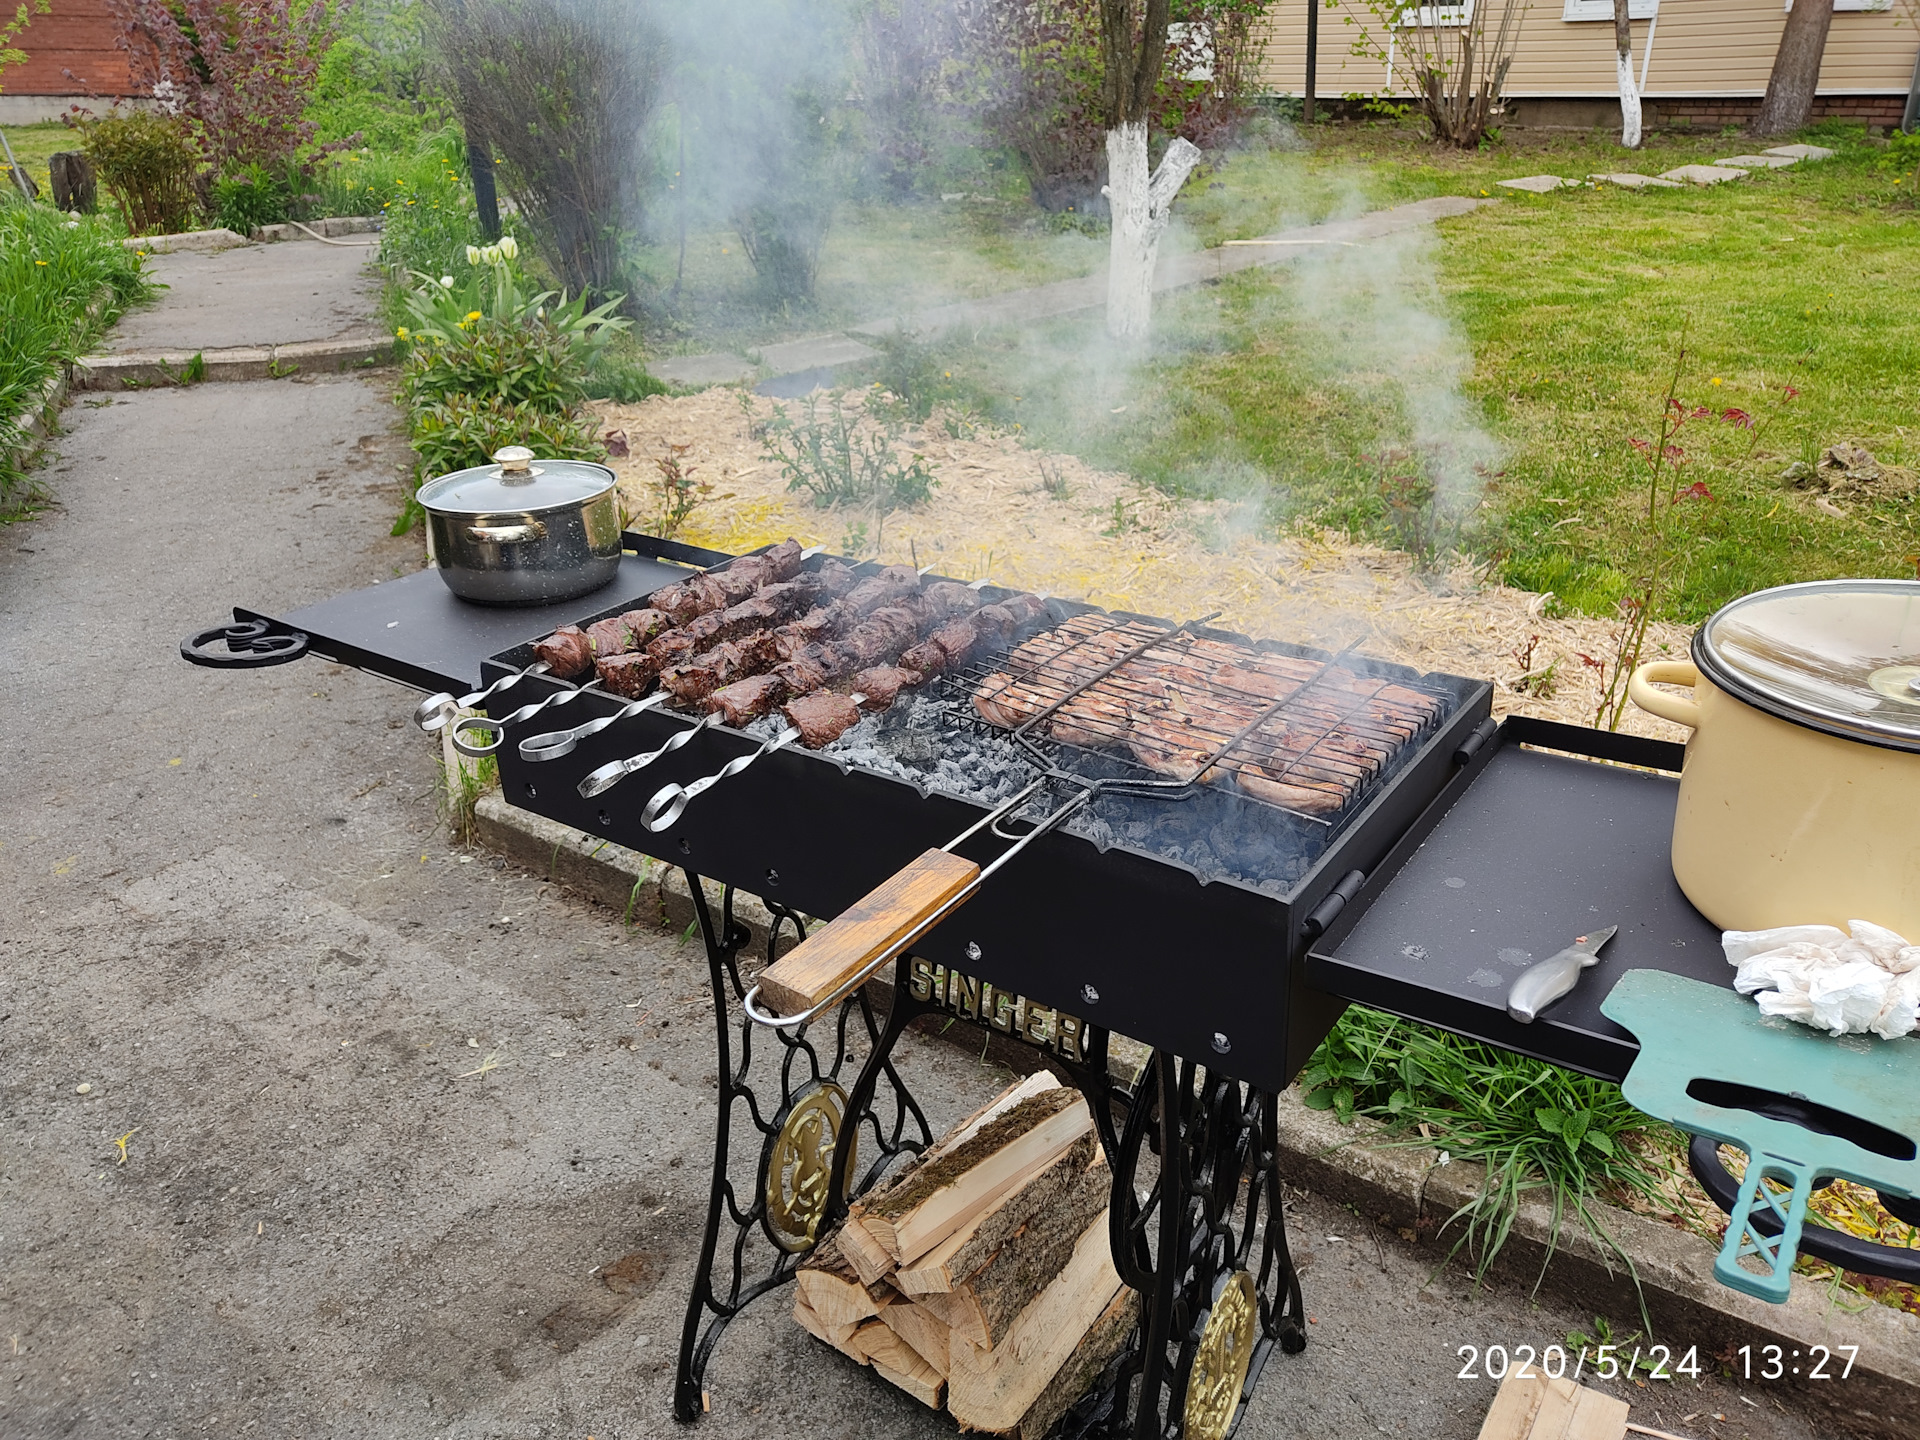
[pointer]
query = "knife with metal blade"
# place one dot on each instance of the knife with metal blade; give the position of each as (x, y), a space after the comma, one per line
(1546, 982)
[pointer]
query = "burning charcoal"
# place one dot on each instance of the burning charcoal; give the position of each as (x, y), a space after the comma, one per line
(631, 675)
(881, 683)
(950, 597)
(782, 562)
(957, 638)
(566, 651)
(801, 677)
(677, 601)
(927, 657)
(609, 637)
(747, 700)
(821, 718)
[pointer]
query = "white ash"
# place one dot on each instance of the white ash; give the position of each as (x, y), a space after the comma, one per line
(1216, 834)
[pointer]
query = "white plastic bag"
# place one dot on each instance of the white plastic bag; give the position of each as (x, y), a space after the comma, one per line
(1866, 982)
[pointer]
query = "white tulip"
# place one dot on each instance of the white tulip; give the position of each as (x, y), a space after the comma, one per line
(446, 282)
(491, 254)
(473, 254)
(509, 247)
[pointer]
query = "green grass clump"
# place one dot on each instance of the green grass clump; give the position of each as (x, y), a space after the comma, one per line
(1534, 1126)
(51, 267)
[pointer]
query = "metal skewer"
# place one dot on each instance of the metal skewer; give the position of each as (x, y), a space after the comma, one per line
(555, 743)
(434, 712)
(598, 782)
(670, 800)
(517, 717)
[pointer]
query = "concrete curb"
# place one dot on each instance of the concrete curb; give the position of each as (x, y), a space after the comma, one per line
(1402, 1187)
(152, 368)
(207, 240)
(336, 225)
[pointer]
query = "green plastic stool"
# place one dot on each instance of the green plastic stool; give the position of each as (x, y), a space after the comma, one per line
(1805, 1106)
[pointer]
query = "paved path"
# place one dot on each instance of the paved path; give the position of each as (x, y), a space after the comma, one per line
(233, 916)
(254, 295)
(1061, 297)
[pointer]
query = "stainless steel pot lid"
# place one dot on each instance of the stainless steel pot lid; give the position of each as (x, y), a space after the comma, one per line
(516, 484)
(1841, 656)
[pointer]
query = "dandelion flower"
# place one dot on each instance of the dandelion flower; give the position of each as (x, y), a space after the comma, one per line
(401, 332)
(1716, 379)
(39, 262)
(475, 315)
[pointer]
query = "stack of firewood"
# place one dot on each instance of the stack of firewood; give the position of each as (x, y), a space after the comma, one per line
(981, 1276)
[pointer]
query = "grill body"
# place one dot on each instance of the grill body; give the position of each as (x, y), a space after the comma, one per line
(1124, 940)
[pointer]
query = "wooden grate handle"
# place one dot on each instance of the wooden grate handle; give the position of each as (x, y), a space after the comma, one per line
(872, 926)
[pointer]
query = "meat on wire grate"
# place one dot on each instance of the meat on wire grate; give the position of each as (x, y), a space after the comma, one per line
(1303, 734)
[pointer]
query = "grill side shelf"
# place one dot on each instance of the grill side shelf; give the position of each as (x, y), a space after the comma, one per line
(1588, 838)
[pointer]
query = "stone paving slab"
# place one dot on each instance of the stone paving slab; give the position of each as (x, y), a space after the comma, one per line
(205, 241)
(334, 225)
(814, 353)
(1627, 180)
(1758, 162)
(1801, 152)
(1704, 174)
(1535, 184)
(148, 369)
(699, 370)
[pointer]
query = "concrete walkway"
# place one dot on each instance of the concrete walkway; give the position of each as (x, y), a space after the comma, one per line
(249, 312)
(1060, 298)
(316, 1125)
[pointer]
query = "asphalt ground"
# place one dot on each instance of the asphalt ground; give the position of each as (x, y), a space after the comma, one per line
(255, 295)
(313, 1123)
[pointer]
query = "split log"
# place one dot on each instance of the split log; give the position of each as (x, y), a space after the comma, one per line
(926, 1332)
(964, 1182)
(983, 1311)
(838, 1336)
(868, 1256)
(833, 1287)
(1096, 1348)
(897, 1361)
(994, 1389)
(949, 1264)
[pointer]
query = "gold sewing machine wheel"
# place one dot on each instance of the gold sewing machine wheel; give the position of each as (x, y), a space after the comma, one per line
(801, 1166)
(1220, 1365)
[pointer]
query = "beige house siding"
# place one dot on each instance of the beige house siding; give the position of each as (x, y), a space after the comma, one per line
(1700, 48)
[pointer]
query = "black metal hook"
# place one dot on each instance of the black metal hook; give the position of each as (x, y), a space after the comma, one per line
(244, 645)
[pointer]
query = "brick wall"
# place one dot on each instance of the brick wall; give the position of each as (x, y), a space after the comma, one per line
(72, 51)
(1712, 114)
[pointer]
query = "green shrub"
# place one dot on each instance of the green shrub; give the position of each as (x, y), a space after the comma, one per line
(534, 365)
(839, 460)
(249, 198)
(51, 267)
(147, 162)
(428, 228)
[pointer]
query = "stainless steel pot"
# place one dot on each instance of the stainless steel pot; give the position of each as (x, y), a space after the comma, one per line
(1800, 800)
(521, 532)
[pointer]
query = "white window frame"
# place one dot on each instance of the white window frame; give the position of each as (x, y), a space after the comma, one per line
(1603, 10)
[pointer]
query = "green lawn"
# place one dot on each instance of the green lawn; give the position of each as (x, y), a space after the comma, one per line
(1303, 387)
(32, 144)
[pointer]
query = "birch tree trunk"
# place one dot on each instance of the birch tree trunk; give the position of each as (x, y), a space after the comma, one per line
(1629, 89)
(1796, 69)
(1141, 206)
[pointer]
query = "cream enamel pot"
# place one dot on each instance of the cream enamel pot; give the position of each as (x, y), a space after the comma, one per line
(1800, 796)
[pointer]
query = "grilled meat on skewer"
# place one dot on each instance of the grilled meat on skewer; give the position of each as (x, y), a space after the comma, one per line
(726, 662)
(821, 716)
(566, 652)
(927, 657)
(745, 701)
(631, 675)
(880, 684)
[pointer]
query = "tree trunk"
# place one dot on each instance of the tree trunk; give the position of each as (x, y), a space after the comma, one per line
(1141, 207)
(1796, 69)
(1629, 90)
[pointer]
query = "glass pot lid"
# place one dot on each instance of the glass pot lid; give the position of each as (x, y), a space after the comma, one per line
(516, 484)
(1842, 656)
